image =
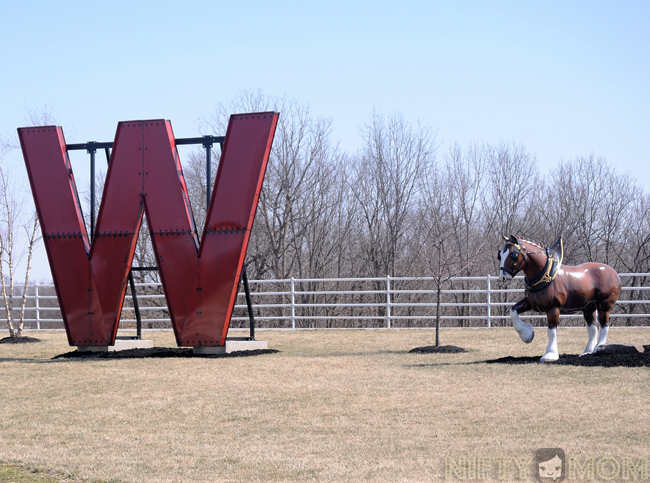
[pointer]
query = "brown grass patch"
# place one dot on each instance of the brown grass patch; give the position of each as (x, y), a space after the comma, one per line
(333, 405)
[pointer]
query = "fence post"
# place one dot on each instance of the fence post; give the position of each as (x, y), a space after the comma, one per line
(38, 318)
(388, 301)
(293, 304)
(489, 320)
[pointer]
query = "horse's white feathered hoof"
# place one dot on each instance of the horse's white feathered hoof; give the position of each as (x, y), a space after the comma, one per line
(549, 357)
(586, 353)
(527, 336)
(524, 329)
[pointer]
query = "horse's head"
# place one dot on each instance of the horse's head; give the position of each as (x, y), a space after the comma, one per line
(511, 257)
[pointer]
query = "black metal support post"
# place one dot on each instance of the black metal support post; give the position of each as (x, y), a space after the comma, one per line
(92, 192)
(136, 306)
(208, 175)
(91, 148)
(249, 302)
(207, 142)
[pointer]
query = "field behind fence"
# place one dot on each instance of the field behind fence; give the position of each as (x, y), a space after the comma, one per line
(391, 302)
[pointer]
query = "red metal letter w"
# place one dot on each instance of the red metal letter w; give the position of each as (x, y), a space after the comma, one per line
(144, 177)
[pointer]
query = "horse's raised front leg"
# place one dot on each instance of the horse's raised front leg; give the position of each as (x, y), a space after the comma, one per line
(526, 332)
(553, 317)
(592, 329)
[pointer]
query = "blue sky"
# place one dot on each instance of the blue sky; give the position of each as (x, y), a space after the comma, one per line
(562, 78)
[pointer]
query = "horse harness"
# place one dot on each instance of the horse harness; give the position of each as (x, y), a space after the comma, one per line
(554, 257)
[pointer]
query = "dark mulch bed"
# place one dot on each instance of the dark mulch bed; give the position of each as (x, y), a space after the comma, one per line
(602, 360)
(158, 352)
(19, 340)
(440, 349)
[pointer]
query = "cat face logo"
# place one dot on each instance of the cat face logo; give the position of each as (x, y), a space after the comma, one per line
(550, 465)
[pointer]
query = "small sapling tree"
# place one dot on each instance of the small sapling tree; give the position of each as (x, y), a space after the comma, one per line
(19, 233)
(439, 246)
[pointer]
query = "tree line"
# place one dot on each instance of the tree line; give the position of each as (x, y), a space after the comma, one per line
(403, 205)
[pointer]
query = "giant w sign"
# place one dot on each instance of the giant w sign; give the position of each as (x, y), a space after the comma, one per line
(200, 280)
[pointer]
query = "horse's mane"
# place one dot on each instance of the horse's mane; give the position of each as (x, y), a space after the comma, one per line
(532, 242)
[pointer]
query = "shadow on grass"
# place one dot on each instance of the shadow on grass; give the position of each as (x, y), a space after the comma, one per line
(589, 360)
(160, 353)
(438, 349)
(19, 340)
(154, 353)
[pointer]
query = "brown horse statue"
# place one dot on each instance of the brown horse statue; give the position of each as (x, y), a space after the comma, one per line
(555, 289)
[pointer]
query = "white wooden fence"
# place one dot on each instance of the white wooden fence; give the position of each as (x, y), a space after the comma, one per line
(353, 302)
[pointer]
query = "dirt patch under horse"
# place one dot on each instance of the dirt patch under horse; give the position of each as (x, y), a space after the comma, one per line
(603, 358)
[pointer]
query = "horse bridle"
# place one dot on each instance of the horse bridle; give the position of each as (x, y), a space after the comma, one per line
(514, 254)
(546, 275)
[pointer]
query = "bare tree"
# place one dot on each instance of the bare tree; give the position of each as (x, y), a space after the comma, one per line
(585, 196)
(633, 251)
(194, 171)
(588, 206)
(514, 183)
(302, 154)
(325, 223)
(465, 172)
(41, 116)
(621, 192)
(14, 220)
(440, 244)
(396, 154)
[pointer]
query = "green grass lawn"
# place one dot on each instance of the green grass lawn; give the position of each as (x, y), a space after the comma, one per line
(18, 474)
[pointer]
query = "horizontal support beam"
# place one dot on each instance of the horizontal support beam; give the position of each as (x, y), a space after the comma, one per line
(89, 146)
(94, 146)
(205, 140)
